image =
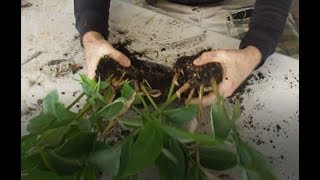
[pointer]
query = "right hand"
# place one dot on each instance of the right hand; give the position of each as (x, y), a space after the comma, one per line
(96, 47)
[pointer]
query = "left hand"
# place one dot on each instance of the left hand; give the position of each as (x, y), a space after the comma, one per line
(237, 65)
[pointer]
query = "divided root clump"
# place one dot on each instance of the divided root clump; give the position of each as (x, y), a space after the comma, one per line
(197, 79)
(157, 78)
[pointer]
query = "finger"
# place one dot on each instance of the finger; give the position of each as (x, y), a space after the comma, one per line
(120, 58)
(91, 70)
(226, 88)
(209, 57)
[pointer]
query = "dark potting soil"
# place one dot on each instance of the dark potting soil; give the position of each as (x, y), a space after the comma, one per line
(197, 75)
(159, 76)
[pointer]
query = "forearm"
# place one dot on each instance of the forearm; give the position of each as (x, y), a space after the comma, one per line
(92, 15)
(266, 26)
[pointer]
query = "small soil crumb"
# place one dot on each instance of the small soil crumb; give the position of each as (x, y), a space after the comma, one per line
(260, 75)
(26, 5)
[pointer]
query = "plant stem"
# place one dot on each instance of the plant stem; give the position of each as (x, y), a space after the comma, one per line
(75, 101)
(186, 151)
(108, 128)
(144, 103)
(83, 111)
(148, 96)
(197, 155)
(135, 109)
(168, 102)
(171, 88)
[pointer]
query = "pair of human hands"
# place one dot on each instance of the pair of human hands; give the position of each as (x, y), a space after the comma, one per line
(237, 64)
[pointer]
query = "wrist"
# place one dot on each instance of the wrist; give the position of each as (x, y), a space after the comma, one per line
(91, 37)
(253, 54)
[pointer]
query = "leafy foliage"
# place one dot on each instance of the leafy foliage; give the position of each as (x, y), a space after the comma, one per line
(66, 145)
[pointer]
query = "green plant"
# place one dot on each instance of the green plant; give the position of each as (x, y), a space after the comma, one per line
(68, 145)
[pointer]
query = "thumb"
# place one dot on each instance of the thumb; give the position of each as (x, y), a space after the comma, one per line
(120, 58)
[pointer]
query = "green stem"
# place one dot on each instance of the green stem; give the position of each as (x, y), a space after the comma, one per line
(85, 108)
(75, 101)
(135, 109)
(170, 90)
(148, 96)
(168, 102)
(144, 103)
(108, 128)
(187, 152)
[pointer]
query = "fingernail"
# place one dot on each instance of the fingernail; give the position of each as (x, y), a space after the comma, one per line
(195, 62)
(127, 63)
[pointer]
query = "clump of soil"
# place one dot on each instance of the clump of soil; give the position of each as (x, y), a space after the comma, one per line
(158, 76)
(197, 75)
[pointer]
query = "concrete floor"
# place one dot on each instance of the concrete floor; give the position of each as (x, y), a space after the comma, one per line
(270, 120)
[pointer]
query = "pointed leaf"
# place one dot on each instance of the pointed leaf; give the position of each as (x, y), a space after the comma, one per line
(127, 92)
(37, 174)
(40, 123)
(254, 162)
(217, 158)
(78, 145)
(184, 136)
(58, 163)
(107, 160)
(181, 115)
(112, 110)
(220, 123)
(52, 137)
(132, 121)
(236, 111)
(168, 169)
(145, 150)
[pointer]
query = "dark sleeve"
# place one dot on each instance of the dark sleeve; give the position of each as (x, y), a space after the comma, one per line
(266, 26)
(92, 15)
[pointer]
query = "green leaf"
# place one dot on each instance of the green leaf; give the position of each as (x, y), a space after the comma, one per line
(131, 177)
(37, 174)
(88, 85)
(54, 115)
(126, 152)
(113, 109)
(220, 123)
(30, 162)
(131, 121)
(236, 111)
(101, 146)
(40, 123)
(84, 124)
(78, 145)
(58, 163)
(69, 177)
(181, 115)
(217, 158)
(254, 162)
(184, 136)
(89, 172)
(27, 142)
(52, 137)
(168, 169)
(127, 92)
(107, 160)
(145, 150)
(194, 173)
(52, 106)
